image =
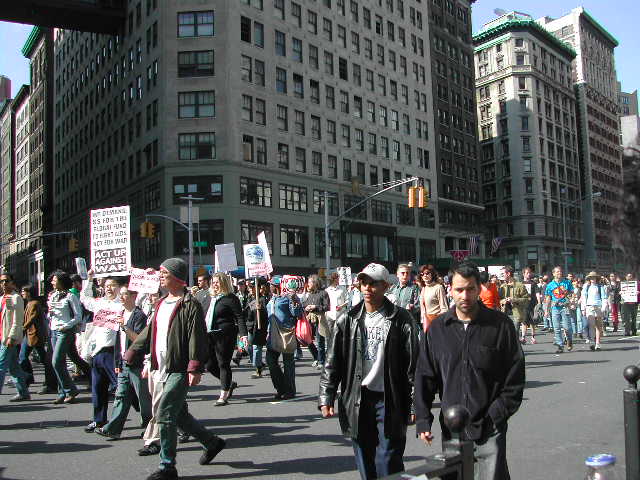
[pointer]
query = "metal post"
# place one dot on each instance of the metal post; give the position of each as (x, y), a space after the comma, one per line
(564, 239)
(631, 400)
(199, 244)
(327, 237)
(190, 243)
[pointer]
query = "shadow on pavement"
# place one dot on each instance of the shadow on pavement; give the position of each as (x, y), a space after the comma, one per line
(43, 425)
(556, 363)
(537, 384)
(23, 448)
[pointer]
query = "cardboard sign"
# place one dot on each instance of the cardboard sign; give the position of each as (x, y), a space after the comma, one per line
(110, 241)
(629, 291)
(254, 260)
(344, 274)
(498, 271)
(292, 284)
(143, 281)
(107, 319)
(262, 241)
(225, 257)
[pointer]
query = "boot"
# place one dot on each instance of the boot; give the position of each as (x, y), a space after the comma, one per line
(257, 374)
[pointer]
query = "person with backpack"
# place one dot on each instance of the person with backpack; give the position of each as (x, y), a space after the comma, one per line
(283, 312)
(594, 302)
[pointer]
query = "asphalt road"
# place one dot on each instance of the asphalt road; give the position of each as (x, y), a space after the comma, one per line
(572, 408)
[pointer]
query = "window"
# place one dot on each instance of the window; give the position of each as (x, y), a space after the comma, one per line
(298, 86)
(195, 64)
(281, 80)
(360, 212)
(332, 166)
(293, 198)
(250, 231)
(283, 156)
(247, 108)
(297, 49)
(294, 241)
(259, 71)
(334, 239)
(246, 69)
(258, 34)
(195, 24)
(381, 211)
(196, 104)
(210, 231)
(255, 192)
(318, 203)
(316, 133)
(346, 170)
(197, 146)
(208, 187)
(316, 163)
(261, 112)
(282, 118)
(405, 215)
(299, 127)
(312, 22)
(280, 41)
(313, 57)
(278, 6)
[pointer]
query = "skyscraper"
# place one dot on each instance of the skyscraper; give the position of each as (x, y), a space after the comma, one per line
(257, 108)
(5, 88)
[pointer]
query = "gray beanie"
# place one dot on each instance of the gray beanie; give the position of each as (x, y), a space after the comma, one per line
(176, 267)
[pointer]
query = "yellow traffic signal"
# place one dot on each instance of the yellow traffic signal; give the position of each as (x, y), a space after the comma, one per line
(144, 229)
(151, 230)
(355, 186)
(73, 245)
(412, 197)
(423, 197)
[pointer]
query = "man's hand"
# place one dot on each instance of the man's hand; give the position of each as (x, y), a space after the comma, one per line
(309, 308)
(327, 411)
(426, 437)
(194, 379)
(412, 419)
(90, 274)
(145, 372)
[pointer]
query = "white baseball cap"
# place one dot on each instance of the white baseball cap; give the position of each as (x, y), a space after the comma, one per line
(375, 272)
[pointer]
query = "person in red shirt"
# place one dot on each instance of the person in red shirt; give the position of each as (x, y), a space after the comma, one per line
(489, 292)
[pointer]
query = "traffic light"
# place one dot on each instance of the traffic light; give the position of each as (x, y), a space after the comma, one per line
(423, 197)
(147, 230)
(412, 197)
(355, 186)
(73, 245)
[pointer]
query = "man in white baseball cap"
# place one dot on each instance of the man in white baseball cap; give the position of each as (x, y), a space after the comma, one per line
(372, 358)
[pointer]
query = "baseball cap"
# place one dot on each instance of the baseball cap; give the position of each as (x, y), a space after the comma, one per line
(376, 272)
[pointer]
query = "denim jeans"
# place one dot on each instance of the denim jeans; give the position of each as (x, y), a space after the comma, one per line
(579, 321)
(376, 454)
(129, 381)
(62, 342)
(173, 413)
(284, 383)
(45, 356)
(9, 363)
(255, 352)
(322, 348)
(102, 376)
(561, 318)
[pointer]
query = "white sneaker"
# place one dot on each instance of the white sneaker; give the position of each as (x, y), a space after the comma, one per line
(315, 363)
(597, 346)
(587, 341)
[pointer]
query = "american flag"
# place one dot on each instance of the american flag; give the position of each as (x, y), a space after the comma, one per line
(495, 244)
(474, 241)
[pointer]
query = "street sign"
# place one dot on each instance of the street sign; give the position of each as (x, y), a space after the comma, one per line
(569, 252)
(195, 214)
(200, 244)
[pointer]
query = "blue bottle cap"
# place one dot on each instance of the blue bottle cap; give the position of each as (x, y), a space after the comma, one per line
(600, 460)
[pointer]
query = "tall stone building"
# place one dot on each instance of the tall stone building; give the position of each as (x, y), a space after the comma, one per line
(5, 88)
(528, 144)
(257, 108)
(7, 179)
(628, 102)
(456, 160)
(595, 80)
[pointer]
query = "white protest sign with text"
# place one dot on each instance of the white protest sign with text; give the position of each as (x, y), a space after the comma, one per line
(108, 319)
(629, 291)
(110, 241)
(262, 241)
(225, 257)
(144, 281)
(344, 275)
(254, 260)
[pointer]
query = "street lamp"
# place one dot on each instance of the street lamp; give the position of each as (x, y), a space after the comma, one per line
(566, 252)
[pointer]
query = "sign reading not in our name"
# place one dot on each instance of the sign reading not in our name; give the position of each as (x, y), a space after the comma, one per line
(110, 241)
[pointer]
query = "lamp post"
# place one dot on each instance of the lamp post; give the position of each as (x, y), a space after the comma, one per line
(191, 199)
(565, 251)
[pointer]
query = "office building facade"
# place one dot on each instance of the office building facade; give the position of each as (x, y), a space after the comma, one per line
(596, 87)
(5, 88)
(528, 142)
(257, 108)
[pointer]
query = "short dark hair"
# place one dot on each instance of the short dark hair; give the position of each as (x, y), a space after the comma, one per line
(119, 280)
(484, 276)
(509, 268)
(467, 270)
(206, 276)
(10, 275)
(76, 278)
(63, 278)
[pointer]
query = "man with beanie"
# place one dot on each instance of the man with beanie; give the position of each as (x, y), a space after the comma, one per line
(176, 338)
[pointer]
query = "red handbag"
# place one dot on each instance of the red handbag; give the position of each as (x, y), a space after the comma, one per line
(303, 331)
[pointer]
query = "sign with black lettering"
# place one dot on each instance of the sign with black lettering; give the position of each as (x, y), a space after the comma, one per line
(110, 241)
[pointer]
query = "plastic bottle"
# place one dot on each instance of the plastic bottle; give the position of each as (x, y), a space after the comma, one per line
(602, 467)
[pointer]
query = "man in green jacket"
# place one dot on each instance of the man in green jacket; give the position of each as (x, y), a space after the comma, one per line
(176, 338)
(514, 300)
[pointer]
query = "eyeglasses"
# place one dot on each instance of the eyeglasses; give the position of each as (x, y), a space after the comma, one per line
(5, 280)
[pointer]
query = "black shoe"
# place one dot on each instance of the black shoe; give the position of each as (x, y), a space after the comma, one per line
(92, 427)
(211, 452)
(277, 396)
(592, 347)
(169, 473)
(233, 386)
(184, 438)
(560, 350)
(103, 433)
(151, 449)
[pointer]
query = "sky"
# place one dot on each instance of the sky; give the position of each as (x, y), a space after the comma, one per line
(619, 17)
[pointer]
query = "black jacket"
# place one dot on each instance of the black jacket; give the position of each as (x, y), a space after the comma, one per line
(320, 299)
(204, 298)
(227, 315)
(344, 369)
(481, 368)
(136, 323)
(249, 324)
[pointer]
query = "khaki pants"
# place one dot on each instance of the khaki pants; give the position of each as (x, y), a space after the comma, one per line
(156, 389)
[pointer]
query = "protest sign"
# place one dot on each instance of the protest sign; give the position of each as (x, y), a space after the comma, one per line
(144, 281)
(81, 268)
(344, 275)
(225, 257)
(497, 270)
(110, 241)
(292, 284)
(107, 318)
(629, 292)
(262, 241)
(254, 260)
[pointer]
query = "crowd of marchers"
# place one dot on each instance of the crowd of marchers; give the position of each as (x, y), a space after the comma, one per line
(384, 346)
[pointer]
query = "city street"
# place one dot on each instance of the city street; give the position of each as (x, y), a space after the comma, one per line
(572, 408)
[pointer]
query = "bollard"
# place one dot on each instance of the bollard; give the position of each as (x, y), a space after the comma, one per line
(631, 399)
(456, 419)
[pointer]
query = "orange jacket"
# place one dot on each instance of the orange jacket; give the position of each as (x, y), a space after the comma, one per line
(489, 296)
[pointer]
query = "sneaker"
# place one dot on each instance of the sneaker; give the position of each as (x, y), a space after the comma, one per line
(103, 433)
(592, 347)
(20, 398)
(569, 347)
(221, 402)
(184, 438)
(587, 341)
(597, 346)
(319, 366)
(257, 374)
(533, 340)
(167, 473)
(71, 398)
(560, 349)
(211, 452)
(151, 449)
(58, 401)
(92, 426)
(314, 363)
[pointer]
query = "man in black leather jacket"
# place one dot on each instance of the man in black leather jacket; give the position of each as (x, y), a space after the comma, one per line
(372, 359)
